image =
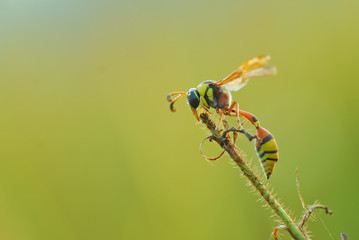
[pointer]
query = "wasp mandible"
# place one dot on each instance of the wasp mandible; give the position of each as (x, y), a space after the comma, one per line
(216, 95)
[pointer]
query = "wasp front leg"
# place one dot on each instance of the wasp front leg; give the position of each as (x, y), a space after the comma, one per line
(221, 117)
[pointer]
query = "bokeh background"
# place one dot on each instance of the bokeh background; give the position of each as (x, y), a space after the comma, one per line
(90, 150)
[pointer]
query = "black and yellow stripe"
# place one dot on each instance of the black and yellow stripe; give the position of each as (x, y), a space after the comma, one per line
(209, 94)
(267, 151)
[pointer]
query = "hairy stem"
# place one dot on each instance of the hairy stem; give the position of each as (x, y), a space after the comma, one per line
(238, 158)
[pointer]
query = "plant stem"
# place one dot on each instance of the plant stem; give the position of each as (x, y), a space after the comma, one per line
(238, 158)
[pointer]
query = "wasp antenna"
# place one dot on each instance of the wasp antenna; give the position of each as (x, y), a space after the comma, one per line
(172, 108)
(169, 98)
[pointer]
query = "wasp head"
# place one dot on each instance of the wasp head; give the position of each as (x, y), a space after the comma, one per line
(193, 98)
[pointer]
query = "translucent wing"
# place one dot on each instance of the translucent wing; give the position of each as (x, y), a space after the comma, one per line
(240, 82)
(252, 68)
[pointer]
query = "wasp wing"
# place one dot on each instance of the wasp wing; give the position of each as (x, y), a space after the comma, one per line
(240, 82)
(252, 68)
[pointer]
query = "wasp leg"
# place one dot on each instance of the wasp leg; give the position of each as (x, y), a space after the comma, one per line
(206, 110)
(203, 110)
(249, 136)
(172, 101)
(250, 117)
(245, 120)
(221, 117)
(247, 115)
(238, 114)
(236, 111)
(241, 129)
(196, 114)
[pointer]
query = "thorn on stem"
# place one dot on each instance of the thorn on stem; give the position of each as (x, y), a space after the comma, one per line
(276, 230)
(310, 211)
(299, 194)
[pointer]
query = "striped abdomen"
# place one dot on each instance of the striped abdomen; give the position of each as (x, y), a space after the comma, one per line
(267, 150)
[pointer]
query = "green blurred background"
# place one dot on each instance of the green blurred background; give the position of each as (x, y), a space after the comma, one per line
(90, 150)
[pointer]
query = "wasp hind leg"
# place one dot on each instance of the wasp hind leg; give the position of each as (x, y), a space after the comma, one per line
(233, 114)
(234, 111)
(231, 110)
(233, 129)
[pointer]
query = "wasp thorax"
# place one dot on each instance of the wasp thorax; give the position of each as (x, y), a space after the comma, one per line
(193, 98)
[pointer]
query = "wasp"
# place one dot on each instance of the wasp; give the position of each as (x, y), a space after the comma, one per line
(217, 95)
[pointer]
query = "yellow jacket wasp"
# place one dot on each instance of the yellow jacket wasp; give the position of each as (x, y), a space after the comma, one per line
(211, 94)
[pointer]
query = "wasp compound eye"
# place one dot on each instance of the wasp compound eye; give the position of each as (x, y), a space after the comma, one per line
(193, 98)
